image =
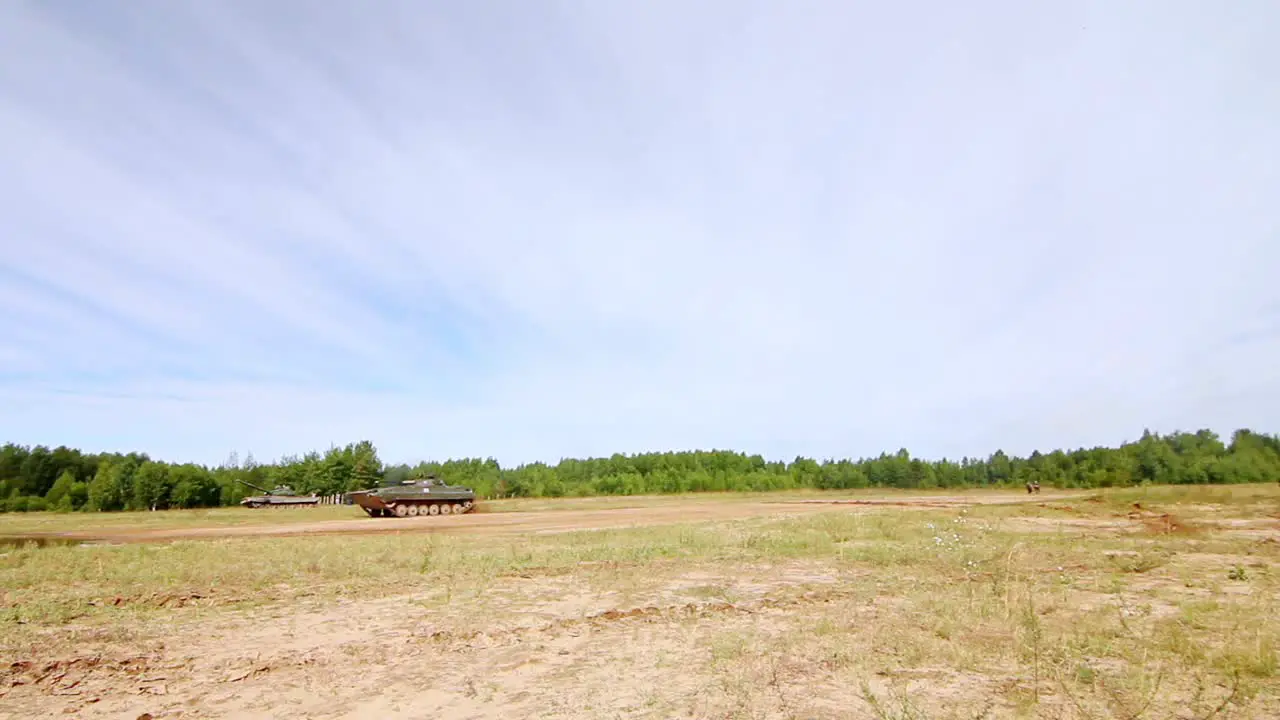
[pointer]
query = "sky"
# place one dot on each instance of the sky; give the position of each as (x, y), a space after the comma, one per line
(530, 231)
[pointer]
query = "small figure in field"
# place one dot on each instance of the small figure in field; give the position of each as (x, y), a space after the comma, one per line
(1033, 486)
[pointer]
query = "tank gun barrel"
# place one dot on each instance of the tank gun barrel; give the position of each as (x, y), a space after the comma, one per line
(255, 487)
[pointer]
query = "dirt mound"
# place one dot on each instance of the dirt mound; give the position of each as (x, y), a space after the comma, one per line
(1162, 523)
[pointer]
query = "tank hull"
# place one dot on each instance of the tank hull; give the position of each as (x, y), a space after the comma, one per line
(256, 501)
(414, 500)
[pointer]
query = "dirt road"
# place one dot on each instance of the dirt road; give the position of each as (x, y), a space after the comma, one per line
(542, 521)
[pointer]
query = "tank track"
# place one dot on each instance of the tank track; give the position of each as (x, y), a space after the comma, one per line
(414, 508)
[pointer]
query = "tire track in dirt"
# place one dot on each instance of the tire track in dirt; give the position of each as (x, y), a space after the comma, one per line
(461, 641)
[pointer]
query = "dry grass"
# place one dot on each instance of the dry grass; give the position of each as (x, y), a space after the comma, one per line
(51, 522)
(1079, 609)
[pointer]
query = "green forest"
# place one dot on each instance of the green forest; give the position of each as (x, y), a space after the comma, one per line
(64, 479)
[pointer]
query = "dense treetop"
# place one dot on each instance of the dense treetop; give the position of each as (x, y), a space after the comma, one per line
(65, 479)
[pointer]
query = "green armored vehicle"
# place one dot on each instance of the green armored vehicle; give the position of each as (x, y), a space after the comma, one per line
(427, 496)
(282, 496)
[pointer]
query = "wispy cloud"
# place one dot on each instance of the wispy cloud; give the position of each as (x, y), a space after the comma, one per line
(580, 228)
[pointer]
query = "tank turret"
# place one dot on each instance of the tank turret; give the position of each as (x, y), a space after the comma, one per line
(281, 496)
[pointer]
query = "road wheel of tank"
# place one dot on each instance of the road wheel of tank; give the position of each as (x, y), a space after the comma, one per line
(413, 511)
(435, 509)
(401, 510)
(466, 506)
(454, 508)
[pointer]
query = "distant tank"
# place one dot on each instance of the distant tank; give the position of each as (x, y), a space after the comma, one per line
(281, 496)
(427, 496)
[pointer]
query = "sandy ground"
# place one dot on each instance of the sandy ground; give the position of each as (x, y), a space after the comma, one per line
(546, 649)
(545, 521)
(740, 641)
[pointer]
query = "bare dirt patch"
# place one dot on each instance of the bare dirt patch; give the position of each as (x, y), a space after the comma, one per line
(787, 611)
(372, 657)
(1141, 521)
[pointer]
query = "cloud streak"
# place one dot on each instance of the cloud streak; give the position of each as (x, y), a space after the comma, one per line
(484, 230)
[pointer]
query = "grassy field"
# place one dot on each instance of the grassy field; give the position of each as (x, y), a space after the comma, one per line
(51, 522)
(1151, 602)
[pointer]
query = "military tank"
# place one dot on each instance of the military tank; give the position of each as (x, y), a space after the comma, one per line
(425, 496)
(281, 496)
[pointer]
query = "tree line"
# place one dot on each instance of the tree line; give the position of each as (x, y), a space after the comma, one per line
(65, 479)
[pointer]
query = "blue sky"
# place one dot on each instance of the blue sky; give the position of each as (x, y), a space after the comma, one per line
(536, 230)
